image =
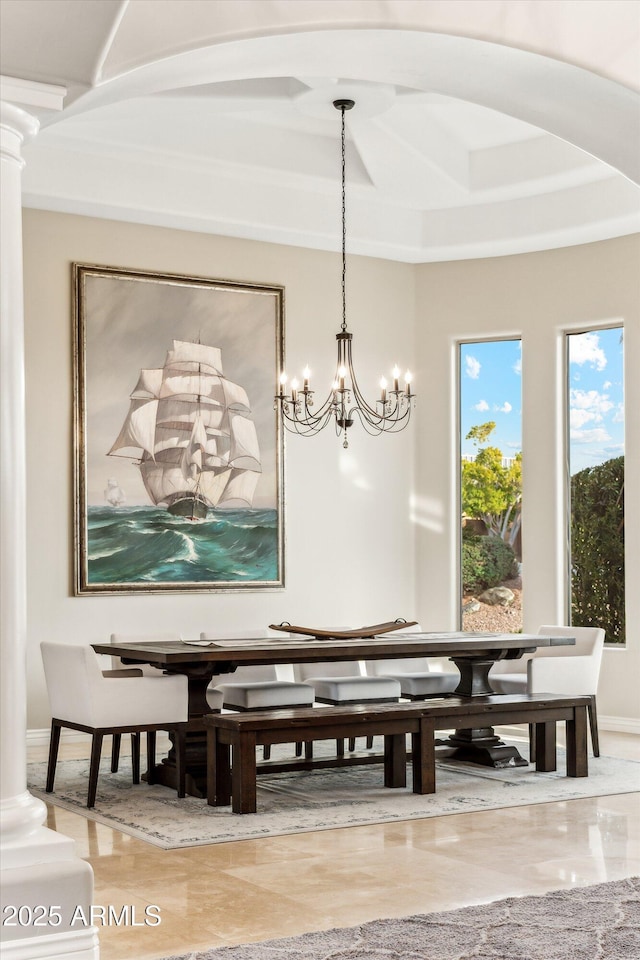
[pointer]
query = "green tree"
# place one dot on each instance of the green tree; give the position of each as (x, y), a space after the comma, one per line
(597, 548)
(490, 491)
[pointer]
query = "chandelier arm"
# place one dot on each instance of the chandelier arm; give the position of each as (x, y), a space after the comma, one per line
(382, 425)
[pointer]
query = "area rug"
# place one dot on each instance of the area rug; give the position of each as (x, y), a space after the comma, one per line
(600, 922)
(322, 799)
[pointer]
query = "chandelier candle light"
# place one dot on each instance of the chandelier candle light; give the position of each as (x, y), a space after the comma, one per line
(389, 414)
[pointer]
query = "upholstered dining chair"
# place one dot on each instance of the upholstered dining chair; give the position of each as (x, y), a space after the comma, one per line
(83, 698)
(573, 670)
(416, 676)
(255, 687)
(338, 682)
(119, 669)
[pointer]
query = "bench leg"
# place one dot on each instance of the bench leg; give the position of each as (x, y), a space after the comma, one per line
(395, 760)
(544, 739)
(243, 774)
(218, 770)
(577, 763)
(423, 752)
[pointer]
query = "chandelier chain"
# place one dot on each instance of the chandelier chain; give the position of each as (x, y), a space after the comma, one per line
(344, 225)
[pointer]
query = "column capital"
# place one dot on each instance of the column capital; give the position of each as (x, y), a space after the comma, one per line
(22, 104)
(16, 126)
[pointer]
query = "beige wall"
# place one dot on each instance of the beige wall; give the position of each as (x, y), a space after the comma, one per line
(349, 537)
(536, 297)
(370, 533)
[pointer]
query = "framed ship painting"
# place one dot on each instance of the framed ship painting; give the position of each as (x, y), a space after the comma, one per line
(178, 450)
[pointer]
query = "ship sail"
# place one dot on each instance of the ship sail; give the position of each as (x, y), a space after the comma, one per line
(114, 494)
(188, 428)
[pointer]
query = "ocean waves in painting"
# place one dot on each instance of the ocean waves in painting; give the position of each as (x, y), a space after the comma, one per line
(147, 545)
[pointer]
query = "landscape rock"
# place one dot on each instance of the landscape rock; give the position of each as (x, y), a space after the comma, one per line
(498, 596)
(471, 606)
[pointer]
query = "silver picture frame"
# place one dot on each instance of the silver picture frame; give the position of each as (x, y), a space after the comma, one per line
(178, 451)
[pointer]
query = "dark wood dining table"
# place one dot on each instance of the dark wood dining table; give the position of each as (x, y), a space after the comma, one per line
(473, 654)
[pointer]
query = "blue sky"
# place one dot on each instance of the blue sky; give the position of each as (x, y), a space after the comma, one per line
(596, 427)
(490, 389)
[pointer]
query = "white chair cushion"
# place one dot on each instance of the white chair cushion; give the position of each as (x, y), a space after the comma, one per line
(509, 682)
(267, 695)
(79, 692)
(354, 689)
(214, 699)
(427, 684)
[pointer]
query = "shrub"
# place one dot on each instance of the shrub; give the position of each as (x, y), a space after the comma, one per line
(597, 549)
(486, 562)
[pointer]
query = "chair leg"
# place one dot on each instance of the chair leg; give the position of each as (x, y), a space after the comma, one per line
(352, 744)
(266, 751)
(94, 767)
(179, 743)
(151, 756)
(369, 743)
(340, 748)
(298, 749)
(135, 756)
(54, 743)
(115, 751)
(593, 724)
(308, 750)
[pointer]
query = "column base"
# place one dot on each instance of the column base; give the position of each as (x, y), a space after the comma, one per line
(56, 900)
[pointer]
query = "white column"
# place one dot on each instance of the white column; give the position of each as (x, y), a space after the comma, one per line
(38, 865)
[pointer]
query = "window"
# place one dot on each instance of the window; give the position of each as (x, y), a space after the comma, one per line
(596, 480)
(491, 484)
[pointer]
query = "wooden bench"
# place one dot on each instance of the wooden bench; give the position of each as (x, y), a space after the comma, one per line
(235, 781)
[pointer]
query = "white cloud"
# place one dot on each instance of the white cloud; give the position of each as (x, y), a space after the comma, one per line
(585, 348)
(618, 416)
(472, 367)
(578, 418)
(588, 405)
(505, 408)
(481, 405)
(606, 385)
(597, 435)
(517, 367)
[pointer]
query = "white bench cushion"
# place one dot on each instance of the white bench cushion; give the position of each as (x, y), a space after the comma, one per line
(427, 684)
(264, 695)
(354, 689)
(509, 682)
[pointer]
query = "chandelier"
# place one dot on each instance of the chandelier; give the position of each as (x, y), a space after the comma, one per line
(390, 413)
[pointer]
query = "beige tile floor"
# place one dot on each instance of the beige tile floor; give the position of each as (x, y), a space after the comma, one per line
(256, 889)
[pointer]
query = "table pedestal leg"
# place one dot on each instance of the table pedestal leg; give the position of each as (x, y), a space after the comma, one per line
(165, 773)
(479, 745)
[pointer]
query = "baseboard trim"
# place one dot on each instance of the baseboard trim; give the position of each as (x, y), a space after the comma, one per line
(612, 724)
(68, 945)
(40, 738)
(619, 724)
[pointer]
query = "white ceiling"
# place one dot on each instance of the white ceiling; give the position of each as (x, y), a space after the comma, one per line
(480, 128)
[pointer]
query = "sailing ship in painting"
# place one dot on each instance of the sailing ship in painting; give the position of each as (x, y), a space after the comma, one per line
(189, 431)
(114, 494)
